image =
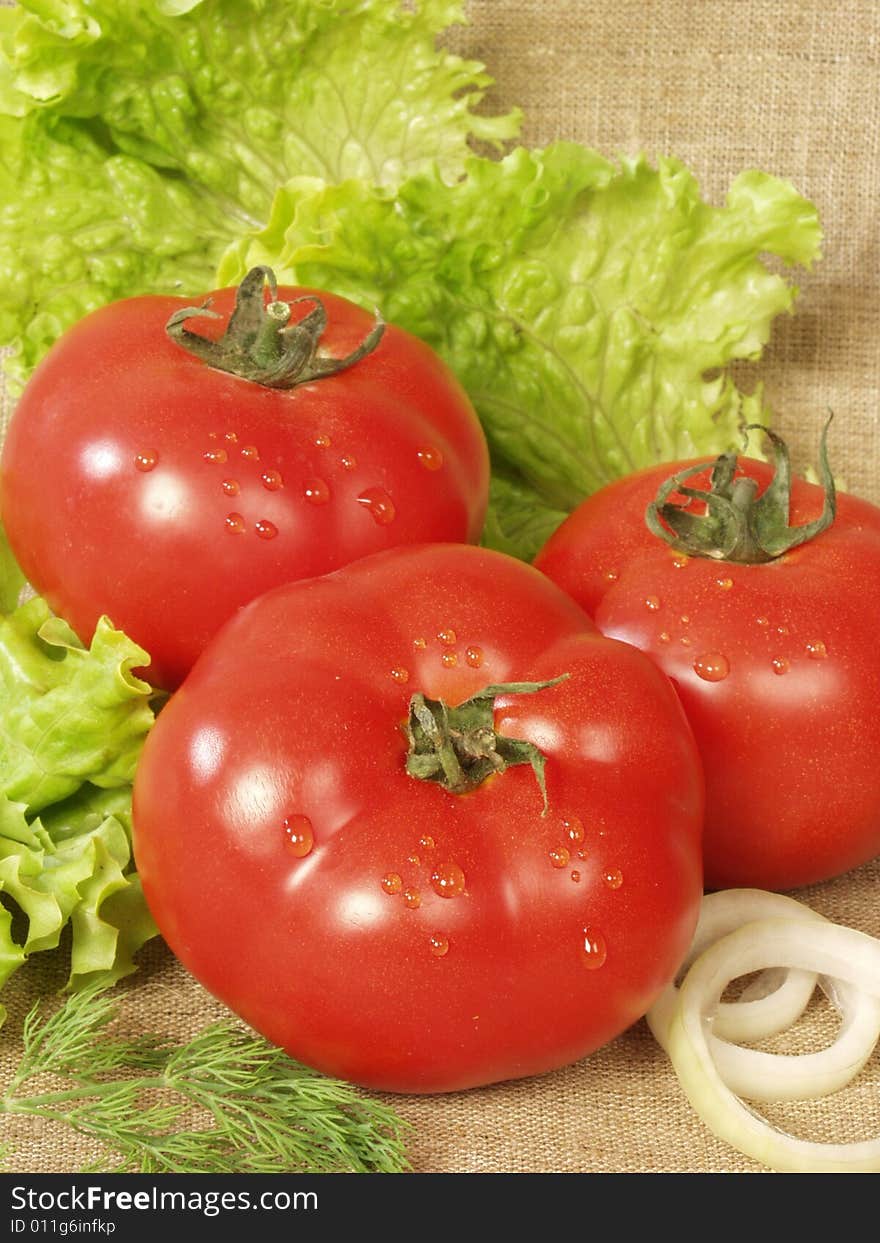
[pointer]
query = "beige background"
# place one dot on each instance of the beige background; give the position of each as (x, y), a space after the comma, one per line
(789, 86)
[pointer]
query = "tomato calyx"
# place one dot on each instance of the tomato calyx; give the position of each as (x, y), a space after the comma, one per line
(739, 525)
(458, 747)
(260, 344)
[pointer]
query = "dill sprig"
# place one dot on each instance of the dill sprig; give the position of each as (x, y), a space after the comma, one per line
(226, 1102)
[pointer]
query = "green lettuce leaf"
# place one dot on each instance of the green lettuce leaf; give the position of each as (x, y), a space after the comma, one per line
(519, 521)
(239, 94)
(80, 227)
(12, 581)
(138, 138)
(72, 724)
(67, 714)
(591, 308)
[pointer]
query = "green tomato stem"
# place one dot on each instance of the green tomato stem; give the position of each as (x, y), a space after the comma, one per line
(459, 749)
(737, 524)
(260, 344)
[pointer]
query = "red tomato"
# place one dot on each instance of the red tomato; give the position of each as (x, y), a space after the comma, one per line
(375, 925)
(777, 665)
(141, 482)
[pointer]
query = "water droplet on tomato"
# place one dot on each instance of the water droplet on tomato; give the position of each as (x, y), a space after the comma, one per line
(235, 523)
(430, 457)
(762, 621)
(680, 561)
(559, 856)
(447, 637)
(412, 898)
(594, 949)
(574, 829)
(652, 603)
(684, 619)
(613, 878)
(724, 584)
(420, 643)
(251, 453)
(426, 842)
(231, 438)
(348, 461)
(300, 835)
(611, 576)
(447, 880)
(685, 640)
(265, 529)
(399, 674)
(271, 480)
(391, 882)
(414, 860)
(712, 667)
(231, 487)
(816, 649)
(379, 505)
(575, 876)
(780, 665)
(449, 660)
(439, 945)
(317, 492)
(664, 636)
(782, 630)
(322, 441)
(146, 460)
(474, 657)
(215, 456)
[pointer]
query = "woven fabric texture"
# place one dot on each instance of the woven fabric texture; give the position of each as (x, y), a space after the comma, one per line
(788, 86)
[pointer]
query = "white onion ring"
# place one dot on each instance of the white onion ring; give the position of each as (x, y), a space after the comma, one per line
(761, 1011)
(714, 1074)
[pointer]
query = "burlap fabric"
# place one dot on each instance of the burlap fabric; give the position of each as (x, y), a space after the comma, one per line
(789, 86)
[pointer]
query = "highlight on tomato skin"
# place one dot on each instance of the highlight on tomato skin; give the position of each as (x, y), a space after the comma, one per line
(420, 824)
(776, 661)
(181, 489)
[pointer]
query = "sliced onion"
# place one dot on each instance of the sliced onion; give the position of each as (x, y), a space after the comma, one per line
(715, 1074)
(762, 1011)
